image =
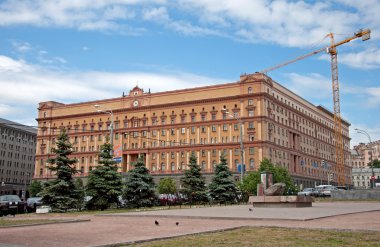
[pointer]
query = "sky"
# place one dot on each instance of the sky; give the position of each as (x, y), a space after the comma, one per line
(74, 51)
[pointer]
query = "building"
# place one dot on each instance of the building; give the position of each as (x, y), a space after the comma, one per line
(17, 157)
(166, 127)
(361, 156)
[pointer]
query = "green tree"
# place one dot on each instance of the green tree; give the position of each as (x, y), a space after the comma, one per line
(139, 187)
(375, 163)
(35, 188)
(222, 188)
(250, 181)
(104, 182)
(193, 182)
(280, 175)
(61, 193)
(81, 193)
(167, 186)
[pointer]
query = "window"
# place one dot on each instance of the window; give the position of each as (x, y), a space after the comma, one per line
(251, 151)
(250, 90)
(213, 128)
(250, 102)
(250, 125)
(172, 166)
(172, 155)
(236, 127)
(172, 132)
(203, 129)
(163, 155)
(163, 132)
(193, 130)
(252, 164)
(250, 113)
(183, 130)
(225, 127)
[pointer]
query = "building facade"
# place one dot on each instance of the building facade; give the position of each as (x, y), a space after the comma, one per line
(17, 157)
(361, 156)
(167, 127)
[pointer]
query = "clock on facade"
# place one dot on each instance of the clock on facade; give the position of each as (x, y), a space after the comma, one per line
(135, 103)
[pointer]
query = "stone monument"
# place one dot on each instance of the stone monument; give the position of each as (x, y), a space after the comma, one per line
(272, 195)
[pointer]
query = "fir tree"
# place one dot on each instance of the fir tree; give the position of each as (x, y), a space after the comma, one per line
(140, 187)
(222, 188)
(35, 188)
(104, 182)
(193, 183)
(81, 193)
(61, 193)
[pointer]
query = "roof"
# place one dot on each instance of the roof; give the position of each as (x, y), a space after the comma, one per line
(18, 126)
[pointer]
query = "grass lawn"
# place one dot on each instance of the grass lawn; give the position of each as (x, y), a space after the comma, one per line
(273, 236)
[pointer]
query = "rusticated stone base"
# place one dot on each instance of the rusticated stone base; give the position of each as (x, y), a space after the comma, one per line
(281, 201)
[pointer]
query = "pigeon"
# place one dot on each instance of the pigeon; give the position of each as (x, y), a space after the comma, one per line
(250, 209)
(177, 223)
(156, 222)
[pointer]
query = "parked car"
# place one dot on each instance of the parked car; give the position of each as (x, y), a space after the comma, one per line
(4, 206)
(309, 192)
(325, 190)
(32, 203)
(16, 206)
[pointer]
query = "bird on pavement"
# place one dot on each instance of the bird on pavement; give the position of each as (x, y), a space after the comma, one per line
(177, 223)
(250, 209)
(156, 222)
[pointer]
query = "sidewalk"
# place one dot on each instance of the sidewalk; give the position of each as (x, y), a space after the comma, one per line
(242, 212)
(129, 227)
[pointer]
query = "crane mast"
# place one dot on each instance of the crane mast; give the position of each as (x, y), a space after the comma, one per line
(339, 148)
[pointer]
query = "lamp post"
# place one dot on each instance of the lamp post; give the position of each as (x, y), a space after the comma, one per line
(26, 177)
(110, 112)
(241, 142)
(370, 155)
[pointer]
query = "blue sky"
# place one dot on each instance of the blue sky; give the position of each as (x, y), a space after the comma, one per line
(72, 51)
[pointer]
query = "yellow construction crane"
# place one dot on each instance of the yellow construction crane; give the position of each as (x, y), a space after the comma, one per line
(339, 149)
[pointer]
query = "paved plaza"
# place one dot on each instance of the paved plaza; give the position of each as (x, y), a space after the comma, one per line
(103, 230)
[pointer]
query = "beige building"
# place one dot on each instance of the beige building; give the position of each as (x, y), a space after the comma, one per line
(361, 156)
(166, 127)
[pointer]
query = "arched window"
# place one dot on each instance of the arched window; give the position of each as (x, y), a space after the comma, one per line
(162, 167)
(250, 90)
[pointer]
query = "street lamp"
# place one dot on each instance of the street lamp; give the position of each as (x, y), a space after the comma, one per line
(25, 178)
(241, 142)
(370, 157)
(108, 111)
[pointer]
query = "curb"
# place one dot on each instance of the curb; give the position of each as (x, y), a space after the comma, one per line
(47, 223)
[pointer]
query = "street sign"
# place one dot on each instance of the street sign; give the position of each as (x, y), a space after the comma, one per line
(239, 168)
(372, 177)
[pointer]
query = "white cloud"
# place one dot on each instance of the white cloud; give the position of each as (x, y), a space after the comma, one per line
(307, 85)
(373, 132)
(368, 58)
(28, 85)
(284, 22)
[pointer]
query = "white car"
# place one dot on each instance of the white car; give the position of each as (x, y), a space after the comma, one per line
(309, 192)
(325, 190)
